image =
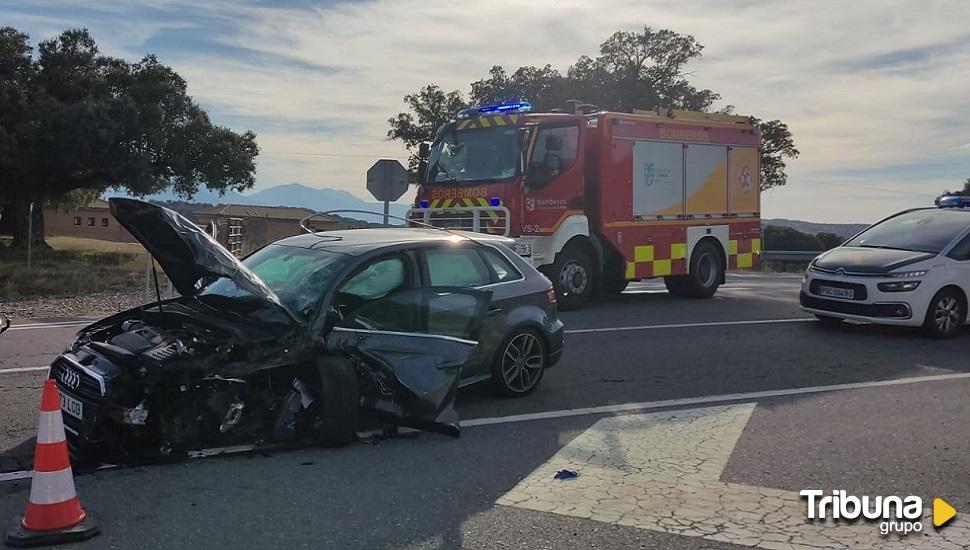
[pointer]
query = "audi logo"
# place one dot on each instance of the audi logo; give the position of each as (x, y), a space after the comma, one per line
(70, 378)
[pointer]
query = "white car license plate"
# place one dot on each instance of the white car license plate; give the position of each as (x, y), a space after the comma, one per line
(846, 293)
(72, 406)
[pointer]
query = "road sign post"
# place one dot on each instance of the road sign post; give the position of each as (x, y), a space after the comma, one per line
(387, 180)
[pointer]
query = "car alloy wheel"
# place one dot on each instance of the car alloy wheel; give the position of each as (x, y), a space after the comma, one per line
(947, 313)
(522, 363)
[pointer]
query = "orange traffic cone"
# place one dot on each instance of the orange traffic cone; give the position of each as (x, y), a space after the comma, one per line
(54, 514)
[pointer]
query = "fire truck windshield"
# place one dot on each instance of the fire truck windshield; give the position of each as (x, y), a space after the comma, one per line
(474, 154)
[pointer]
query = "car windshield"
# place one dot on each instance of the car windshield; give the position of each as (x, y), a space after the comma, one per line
(476, 154)
(921, 231)
(298, 276)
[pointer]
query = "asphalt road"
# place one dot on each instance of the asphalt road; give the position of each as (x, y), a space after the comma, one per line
(490, 488)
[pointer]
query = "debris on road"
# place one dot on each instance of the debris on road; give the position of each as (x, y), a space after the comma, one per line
(566, 474)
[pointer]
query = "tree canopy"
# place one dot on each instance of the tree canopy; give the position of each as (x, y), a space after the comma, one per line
(634, 70)
(77, 121)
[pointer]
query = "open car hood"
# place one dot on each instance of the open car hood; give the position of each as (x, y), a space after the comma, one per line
(186, 253)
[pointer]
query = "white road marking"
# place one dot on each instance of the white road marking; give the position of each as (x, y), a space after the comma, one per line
(23, 369)
(605, 409)
(661, 471)
(689, 325)
(706, 400)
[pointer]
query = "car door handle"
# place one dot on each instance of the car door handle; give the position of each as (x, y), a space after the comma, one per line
(494, 311)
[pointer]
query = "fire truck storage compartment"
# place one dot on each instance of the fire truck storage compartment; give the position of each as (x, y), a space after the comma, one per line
(707, 189)
(673, 180)
(658, 180)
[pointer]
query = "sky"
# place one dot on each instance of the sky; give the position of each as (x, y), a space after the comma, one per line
(877, 94)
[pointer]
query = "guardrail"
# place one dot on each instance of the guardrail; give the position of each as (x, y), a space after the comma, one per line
(788, 255)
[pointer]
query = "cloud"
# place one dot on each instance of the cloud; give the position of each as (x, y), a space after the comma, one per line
(866, 87)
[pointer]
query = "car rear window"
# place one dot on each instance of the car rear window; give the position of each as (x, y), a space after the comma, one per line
(461, 267)
(502, 267)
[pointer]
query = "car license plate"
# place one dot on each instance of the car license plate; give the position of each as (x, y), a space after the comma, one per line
(72, 406)
(834, 292)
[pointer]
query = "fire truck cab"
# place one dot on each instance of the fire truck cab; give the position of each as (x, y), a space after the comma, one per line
(595, 200)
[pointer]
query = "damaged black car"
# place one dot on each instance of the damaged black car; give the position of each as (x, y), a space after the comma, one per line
(300, 339)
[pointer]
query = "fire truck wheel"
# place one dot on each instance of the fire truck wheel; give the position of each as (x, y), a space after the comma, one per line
(571, 276)
(706, 271)
(676, 285)
(614, 285)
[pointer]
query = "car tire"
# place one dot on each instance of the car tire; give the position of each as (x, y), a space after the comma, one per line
(572, 277)
(333, 417)
(704, 276)
(829, 322)
(520, 363)
(946, 313)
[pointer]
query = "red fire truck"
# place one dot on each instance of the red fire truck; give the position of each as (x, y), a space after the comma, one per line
(598, 199)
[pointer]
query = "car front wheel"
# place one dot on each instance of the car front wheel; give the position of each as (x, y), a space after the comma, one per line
(520, 365)
(946, 314)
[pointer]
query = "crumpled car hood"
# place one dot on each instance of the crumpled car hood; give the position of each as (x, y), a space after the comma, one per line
(185, 252)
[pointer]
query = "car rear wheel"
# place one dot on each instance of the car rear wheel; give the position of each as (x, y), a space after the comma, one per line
(520, 364)
(946, 314)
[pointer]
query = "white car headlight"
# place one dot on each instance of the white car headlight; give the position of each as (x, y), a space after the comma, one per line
(909, 274)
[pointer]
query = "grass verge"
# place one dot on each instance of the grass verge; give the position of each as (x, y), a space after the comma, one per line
(71, 267)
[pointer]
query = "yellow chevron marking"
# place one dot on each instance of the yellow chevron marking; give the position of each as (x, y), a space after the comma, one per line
(643, 253)
(498, 121)
(661, 267)
(678, 251)
(483, 122)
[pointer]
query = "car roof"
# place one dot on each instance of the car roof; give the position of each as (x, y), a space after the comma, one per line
(358, 241)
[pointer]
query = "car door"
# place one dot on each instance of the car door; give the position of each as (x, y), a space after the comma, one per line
(466, 266)
(411, 343)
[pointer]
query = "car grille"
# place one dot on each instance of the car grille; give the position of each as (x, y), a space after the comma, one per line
(76, 381)
(859, 291)
(889, 311)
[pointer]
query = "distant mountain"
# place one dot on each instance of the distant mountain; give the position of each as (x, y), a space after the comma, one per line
(322, 199)
(292, 194)
(844, 230)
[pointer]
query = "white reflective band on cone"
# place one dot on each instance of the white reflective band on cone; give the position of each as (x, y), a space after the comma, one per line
(52, 487)
(50, 427)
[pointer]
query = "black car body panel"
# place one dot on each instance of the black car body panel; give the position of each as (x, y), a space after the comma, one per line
(867, 261)
(168, 376)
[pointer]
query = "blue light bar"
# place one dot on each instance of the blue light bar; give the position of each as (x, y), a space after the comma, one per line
(424, 204)
(500, 108)
(496, 201)
(953, 201)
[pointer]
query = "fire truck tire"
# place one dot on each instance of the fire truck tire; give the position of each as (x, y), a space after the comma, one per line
(614, 285)
(706, 271)
(677, 285)
(572, 277)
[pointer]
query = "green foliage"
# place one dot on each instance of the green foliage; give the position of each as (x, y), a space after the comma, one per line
(778, 237)
(430, 108)
(965, 192)
(634, 70)
(82, 121)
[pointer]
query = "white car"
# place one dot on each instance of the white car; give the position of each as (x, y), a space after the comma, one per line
(910, 269)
